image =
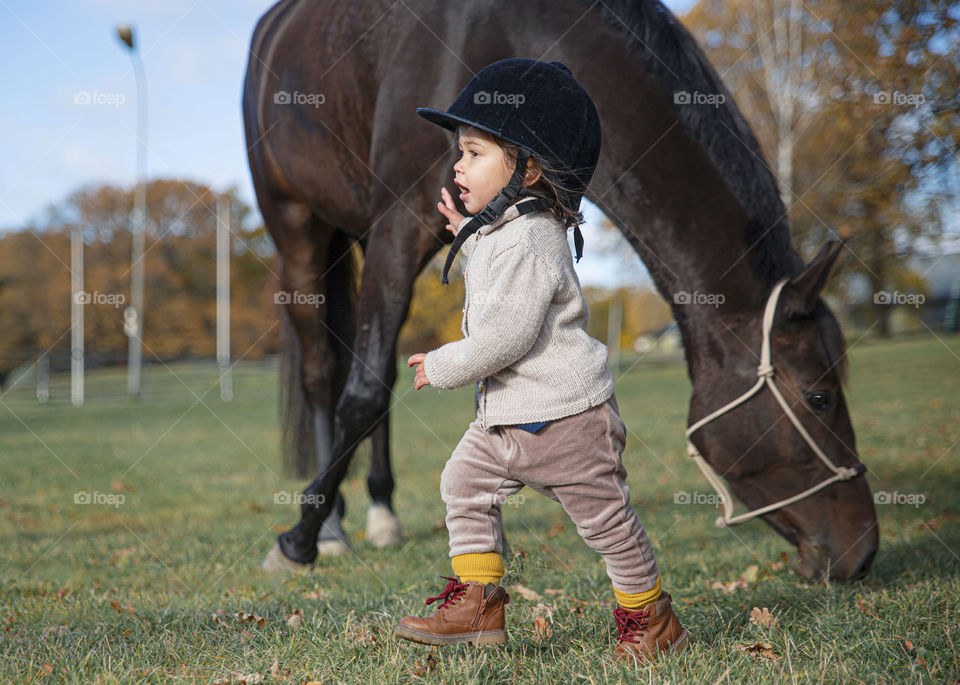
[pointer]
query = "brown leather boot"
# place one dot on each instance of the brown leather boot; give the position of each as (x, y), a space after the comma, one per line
(470, 612)
(648, 632)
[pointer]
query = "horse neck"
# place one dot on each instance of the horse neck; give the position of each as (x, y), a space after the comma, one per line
(693, 234)
(696, 257)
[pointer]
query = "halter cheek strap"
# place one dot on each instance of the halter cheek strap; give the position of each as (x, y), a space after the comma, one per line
(765, 373)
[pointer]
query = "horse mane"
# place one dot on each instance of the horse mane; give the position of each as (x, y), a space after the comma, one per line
(672, 56)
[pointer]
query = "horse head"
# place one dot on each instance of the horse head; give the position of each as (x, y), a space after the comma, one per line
(809, 486)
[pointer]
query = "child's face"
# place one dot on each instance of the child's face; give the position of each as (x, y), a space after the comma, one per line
(482, 170)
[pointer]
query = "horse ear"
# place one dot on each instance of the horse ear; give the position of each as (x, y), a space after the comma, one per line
(801, 292)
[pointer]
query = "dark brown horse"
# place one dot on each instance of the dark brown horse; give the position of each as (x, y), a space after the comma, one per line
(338, 157)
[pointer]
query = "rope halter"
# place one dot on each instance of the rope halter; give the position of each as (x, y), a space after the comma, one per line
(765, 374)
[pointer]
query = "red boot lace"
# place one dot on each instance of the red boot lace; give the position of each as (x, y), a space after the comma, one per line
(451, 593)
(630, 623)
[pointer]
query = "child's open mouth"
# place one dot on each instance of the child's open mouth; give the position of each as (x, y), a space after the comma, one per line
(465, 193)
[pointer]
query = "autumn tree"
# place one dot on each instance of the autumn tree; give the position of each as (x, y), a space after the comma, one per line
(857, 105)
(180, 260)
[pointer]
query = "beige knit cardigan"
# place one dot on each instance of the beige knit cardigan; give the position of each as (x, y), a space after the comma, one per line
(525, 325)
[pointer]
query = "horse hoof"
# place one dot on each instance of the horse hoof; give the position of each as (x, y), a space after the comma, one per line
(332, 548)
(383, 528)
(276, 561)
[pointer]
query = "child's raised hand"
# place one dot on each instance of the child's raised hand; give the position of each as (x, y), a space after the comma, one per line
(448, 209)
(420, 379)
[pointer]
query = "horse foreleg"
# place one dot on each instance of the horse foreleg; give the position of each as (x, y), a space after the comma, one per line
(383, 527)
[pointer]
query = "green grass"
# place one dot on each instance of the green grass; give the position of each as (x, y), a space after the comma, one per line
(147, 590)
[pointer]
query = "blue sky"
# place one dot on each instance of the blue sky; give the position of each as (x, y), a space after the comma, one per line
(195, 54)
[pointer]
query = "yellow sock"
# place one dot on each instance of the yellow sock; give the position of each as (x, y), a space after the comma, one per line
(638, 599)
(485, 568)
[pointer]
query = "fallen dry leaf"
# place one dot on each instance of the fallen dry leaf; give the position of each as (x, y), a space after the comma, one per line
(121, 609)
(749, 576)
(541, 628)
(56, 630)
(777, 565)
(315, 594)
(727, 588)
(119, 555)
(295, 620)
(244, 617)
(552, 591)
(240, 679)
(761, 650)
(693, 600)
(359, 629)
(526, 593)
(120, 486)
(865, 607)
(421, 669)
(545, 610)
(276, 673)
(762, 617)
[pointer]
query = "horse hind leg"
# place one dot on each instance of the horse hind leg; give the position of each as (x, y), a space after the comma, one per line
(310, 354)
(340, 277)
(306, 434)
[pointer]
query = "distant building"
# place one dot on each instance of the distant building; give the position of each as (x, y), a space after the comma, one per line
(942, 275)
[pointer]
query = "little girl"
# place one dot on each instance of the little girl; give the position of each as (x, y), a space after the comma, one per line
(547, 415)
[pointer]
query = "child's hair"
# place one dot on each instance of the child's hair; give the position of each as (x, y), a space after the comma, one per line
(544, 187)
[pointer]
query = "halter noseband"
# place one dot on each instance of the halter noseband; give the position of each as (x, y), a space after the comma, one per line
(765, 377)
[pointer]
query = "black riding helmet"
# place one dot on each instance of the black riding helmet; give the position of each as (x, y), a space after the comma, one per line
(540, 107)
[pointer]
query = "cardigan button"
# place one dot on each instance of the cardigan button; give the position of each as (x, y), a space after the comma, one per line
(481, 386)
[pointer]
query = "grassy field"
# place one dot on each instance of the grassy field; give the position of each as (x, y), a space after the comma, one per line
(157, 576)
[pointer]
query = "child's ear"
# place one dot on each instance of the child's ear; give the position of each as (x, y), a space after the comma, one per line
(532, 174)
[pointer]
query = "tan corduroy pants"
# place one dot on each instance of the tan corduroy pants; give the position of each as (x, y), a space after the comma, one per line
(575, 461)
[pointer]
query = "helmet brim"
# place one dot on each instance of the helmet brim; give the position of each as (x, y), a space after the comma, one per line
(451, 121)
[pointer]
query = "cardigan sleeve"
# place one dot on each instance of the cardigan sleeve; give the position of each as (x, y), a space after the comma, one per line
(522, 288)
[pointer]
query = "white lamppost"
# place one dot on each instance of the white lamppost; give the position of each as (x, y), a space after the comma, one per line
(133, 315)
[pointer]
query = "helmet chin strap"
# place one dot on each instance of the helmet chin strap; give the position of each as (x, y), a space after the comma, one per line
(493, 211)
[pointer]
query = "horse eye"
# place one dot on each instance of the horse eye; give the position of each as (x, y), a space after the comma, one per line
(818, 399)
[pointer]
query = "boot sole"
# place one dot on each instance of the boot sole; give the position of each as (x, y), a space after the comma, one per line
(479, 638)
(678, 645)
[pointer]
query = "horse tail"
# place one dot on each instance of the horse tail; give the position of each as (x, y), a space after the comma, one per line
(296, 422)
